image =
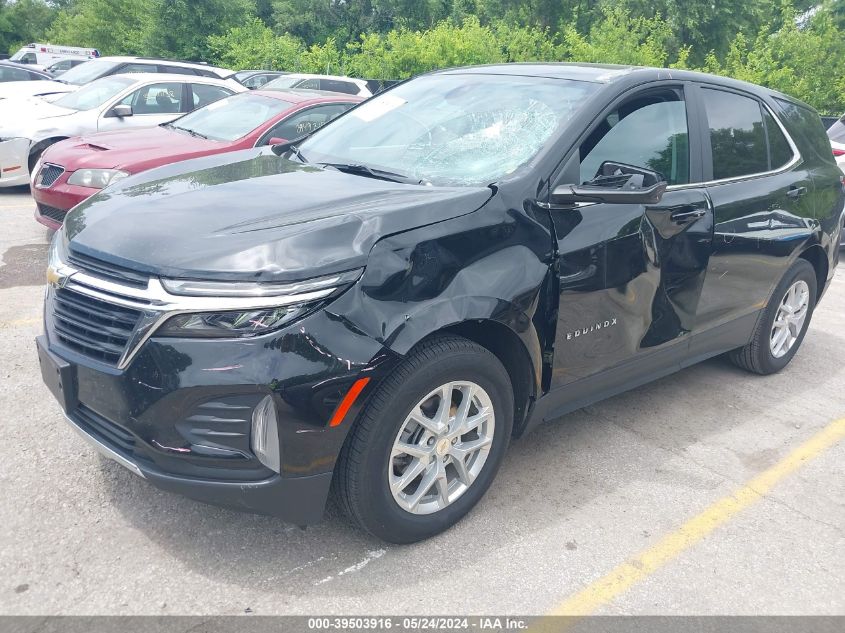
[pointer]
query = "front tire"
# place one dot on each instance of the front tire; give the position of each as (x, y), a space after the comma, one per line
(781, 327)
(429, 442)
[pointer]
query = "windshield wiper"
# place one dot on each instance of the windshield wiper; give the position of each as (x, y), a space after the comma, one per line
(381, 174)
(297, 153)
(184, 129)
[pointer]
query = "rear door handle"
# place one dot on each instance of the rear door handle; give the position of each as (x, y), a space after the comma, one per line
(796, 192)
(690, 215)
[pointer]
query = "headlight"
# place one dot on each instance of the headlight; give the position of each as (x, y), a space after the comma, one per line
(95, 178)
(207, 308)
(233, 324)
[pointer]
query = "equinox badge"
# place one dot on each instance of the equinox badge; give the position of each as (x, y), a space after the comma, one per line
(600, 325)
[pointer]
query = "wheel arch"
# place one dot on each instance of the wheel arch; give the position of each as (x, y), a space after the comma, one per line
(512, 352)
(38, 147)
(817, 258)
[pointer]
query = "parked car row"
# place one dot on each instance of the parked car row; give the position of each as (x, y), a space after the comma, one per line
(29, 126)
(381, 306)
(73, 170)
(118, 93)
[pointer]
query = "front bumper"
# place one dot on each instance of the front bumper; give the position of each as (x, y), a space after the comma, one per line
(299, 500)
(53, 202)
(180, 413)
(14, 162)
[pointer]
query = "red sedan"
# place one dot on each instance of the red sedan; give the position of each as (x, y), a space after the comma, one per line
(75, 169)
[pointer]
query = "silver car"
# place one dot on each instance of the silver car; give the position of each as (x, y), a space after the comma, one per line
(29, 125)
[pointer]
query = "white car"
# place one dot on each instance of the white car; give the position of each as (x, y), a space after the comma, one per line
(17, 89)
(836, 134)
(29, 126)
(329, 83)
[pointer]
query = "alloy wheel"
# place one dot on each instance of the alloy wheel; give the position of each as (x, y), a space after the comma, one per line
(441, 447)
(790, 318)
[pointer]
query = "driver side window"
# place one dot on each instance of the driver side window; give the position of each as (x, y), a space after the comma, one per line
(163, 98)
(648, 131)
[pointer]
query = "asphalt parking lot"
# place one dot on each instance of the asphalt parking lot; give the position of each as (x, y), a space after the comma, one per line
(682, 497)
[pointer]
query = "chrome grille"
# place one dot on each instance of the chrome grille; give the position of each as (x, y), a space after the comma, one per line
(110, 272)
(92, 327)
(53, 213)
(49, 174)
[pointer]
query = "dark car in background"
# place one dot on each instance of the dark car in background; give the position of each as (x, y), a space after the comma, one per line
(77, 168)
(379, 309)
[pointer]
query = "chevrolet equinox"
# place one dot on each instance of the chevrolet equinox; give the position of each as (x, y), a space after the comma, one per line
(376, 310)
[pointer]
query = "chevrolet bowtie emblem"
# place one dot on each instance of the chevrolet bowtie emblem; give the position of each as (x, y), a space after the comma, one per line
(56, 278)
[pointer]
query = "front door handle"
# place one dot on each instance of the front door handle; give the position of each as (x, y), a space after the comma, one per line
(796, 192)
(690, 215)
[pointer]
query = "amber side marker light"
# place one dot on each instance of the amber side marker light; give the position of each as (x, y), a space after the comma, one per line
(348, 400)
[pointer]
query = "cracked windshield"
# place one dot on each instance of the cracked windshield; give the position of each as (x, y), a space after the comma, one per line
(452, 129)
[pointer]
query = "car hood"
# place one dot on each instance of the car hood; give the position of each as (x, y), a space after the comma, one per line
(23, 89)
(253, 215)
(130, 150)
(23, 116)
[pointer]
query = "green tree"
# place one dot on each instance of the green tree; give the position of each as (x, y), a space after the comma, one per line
(254, 45)
(115, 27)
(24, 21)
(619, 38)
(181, 28)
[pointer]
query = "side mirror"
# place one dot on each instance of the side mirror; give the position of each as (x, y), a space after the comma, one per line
(615, 183)
(120, 111)
(277, 140)
(568, 195)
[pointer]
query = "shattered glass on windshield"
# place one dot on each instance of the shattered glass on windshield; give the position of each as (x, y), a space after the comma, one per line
(461, 129)
(484, 146)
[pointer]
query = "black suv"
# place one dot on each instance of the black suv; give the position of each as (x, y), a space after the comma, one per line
(380, 308)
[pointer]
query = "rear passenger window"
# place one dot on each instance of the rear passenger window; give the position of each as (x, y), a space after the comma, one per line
(806, 129)
(737, 135)
(779, 150)
(648, 131)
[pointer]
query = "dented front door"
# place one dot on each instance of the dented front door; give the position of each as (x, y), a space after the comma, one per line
(629, 281)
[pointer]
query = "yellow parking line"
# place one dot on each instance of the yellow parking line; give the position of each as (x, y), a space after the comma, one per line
(19, 323)
(644, 564)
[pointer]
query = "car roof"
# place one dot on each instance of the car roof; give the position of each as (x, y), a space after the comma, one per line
(312, 76)
(301, 96)
(608, 74)
(171, 62)
(157, 77)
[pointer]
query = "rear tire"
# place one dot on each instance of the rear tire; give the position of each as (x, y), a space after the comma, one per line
(781, 327)
(404, 497)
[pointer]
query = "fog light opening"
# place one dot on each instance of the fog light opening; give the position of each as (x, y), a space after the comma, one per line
(265, 434)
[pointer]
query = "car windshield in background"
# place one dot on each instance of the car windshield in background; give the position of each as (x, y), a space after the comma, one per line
(451, 129)
(286, 83)
(94, 94)
(89, 71)
(231, 118)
